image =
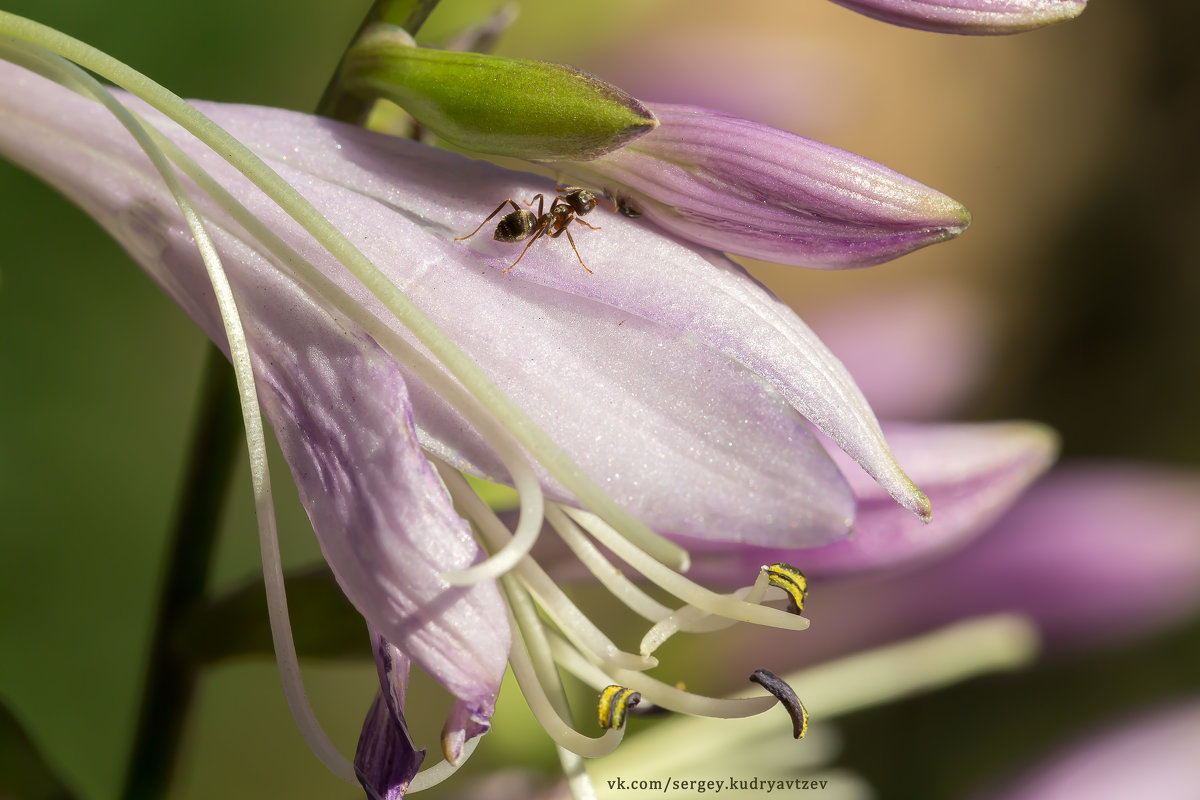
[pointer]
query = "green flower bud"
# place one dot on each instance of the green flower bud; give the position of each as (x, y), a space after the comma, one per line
(500, 106)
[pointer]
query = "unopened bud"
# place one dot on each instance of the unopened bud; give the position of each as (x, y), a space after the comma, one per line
(499, 106)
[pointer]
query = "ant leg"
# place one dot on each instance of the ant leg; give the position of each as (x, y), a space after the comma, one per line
(541, 199)
(489, 216)
(586, 224)
(571, 239)
(532, 239)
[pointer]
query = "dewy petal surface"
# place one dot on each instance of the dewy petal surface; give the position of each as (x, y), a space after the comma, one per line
(757, 191)
(337, 402)
(969, 16)
(668, 375)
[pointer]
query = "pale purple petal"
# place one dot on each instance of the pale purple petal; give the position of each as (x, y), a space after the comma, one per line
(337, 402)
(465, 721)
(386, 758)
(1094, 555)
(752, 190)
(972, 472)
(969, 16)
(1151, 757)
(660, 345)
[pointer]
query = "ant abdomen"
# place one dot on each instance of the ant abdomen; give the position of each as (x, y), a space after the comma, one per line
(516, 226)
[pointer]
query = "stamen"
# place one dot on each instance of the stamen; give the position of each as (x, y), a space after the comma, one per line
(654, 691)
(675, 699)
(792, 581)
(779, 687)
(520, 542)
(609, 576)
(565, 614)
(614, 702)
(696, 620)
(535, 695)
(680, 586)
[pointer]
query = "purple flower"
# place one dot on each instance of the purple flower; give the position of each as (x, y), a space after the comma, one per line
(752, 190)
(667, 375)
(1154, 756)
(969, 16)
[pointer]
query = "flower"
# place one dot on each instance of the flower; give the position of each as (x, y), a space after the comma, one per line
(969, 16)
(752, 190)
(667, 374)
(1154, 756)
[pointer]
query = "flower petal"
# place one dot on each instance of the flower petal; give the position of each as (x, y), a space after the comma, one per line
(969, 16)
(753, 190)
(973, 472)
(667, 375)
(661, 345)
(337, 402)
(1094, 554)
(386, 759)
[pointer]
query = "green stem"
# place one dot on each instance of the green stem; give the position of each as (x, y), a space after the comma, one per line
(171, 681)
(338, 104)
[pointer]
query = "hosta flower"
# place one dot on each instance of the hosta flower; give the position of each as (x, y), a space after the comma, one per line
(665, 375)
(969, 16)
(752, 190)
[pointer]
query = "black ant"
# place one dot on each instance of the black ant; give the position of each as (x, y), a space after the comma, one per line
(521, 223)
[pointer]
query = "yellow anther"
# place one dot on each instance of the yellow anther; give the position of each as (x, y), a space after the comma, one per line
(614, 702)
(792, 581)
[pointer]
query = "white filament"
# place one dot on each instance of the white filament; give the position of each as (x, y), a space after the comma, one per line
(680, 586)
(695, 620)
(533, 688)
(609, 576)
(565, 614)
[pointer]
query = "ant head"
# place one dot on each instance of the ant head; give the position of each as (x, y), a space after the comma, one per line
(580, 200)
(516, 226)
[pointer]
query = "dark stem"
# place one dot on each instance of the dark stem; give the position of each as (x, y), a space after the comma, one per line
(171, 681)
(408, 14)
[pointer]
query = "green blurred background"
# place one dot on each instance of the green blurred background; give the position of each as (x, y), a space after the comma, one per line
(1073, 147)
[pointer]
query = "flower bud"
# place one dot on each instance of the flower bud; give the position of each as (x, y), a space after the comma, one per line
(500, 106)
(752, 190)
(979, 17)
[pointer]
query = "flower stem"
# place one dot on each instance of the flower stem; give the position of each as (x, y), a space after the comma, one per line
(170, 680)
(339, 104)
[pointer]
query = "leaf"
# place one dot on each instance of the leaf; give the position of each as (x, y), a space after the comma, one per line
(235, 624)
(24, 772)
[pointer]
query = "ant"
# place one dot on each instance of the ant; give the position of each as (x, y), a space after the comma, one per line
(521, 223)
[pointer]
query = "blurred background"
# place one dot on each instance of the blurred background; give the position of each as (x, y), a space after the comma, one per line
(1072, 146)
